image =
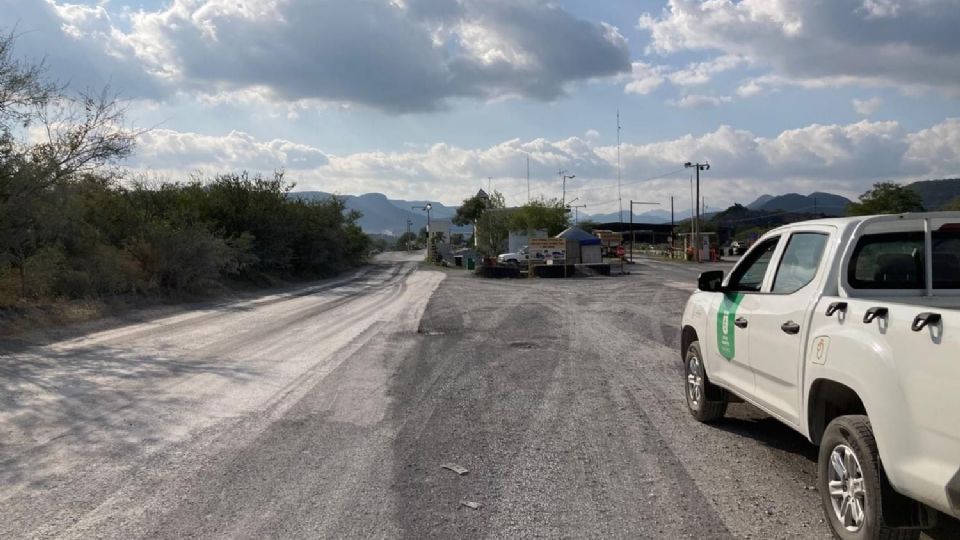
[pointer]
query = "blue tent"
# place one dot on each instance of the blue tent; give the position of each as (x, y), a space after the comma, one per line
(580, 236)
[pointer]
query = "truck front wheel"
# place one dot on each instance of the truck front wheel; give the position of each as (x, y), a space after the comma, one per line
(849, 482)
(700, 393)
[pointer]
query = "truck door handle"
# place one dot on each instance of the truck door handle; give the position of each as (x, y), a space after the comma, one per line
(924, 319)
(873, 313)
(790, 327)
(740, 322)
(835, 307)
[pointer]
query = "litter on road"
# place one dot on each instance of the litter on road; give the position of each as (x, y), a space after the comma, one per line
(471, 504)
(455, 468)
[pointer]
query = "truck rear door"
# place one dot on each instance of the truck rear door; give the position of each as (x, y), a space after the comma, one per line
(918, 338)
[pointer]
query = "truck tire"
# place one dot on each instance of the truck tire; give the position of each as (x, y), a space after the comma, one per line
(849, 482)
(700, 393)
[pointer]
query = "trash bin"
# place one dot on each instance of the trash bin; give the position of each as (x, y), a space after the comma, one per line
(471, 264)
(458, 260)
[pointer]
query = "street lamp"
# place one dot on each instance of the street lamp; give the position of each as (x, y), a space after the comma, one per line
(696, 229)
(426, 208)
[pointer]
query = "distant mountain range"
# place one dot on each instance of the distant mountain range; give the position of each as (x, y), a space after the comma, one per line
(381, 215)
(389, 216)
(653, 216)
(934, 193)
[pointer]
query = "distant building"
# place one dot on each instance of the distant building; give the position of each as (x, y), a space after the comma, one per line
(647, 233)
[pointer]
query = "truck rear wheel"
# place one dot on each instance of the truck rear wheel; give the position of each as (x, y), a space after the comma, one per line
(699, 391)
(849, 482)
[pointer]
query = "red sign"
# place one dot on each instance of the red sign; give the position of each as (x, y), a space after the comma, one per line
(620, 251)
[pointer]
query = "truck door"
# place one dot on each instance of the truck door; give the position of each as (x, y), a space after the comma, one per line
(778, 323)
(729, 354)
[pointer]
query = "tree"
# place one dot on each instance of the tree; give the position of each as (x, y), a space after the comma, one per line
(406, 241)
(470, 211)
(548, 214)
(886, 198)
(587, 224)
(79, 134)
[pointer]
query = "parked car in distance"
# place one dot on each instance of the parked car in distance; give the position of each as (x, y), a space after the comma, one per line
(523, 257)
(846, 330)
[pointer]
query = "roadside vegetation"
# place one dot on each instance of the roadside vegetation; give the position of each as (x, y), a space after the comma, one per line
(493, 221)
(74, 226)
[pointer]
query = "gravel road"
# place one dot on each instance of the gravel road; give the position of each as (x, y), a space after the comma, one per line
(327, 412)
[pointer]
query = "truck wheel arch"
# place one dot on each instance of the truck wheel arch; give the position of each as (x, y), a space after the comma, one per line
(687, 336)
(828, 400)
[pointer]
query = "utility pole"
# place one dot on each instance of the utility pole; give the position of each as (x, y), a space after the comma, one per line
(564, 177)
(633, 235)
(619, 192)
(489, 184)
(673, 227)
(576, 211)
(699, 167)
(528, 178)
(427, 207)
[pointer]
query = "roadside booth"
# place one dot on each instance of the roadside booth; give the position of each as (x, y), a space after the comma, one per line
(582, 247)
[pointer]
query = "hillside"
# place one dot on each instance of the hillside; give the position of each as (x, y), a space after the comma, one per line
(815, 203)
(385, 216)
(936, 193)
(761, 200)
(739, 217)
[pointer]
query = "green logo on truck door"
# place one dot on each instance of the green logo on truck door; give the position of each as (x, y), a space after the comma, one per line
(726, 314)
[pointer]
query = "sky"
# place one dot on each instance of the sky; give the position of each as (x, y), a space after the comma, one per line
(434, 99)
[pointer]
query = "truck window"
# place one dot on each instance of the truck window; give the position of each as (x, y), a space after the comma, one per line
(896, 261)
(748, 277)
(946, 259)
(800, 262)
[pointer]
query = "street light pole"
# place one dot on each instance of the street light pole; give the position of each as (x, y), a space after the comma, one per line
(426, 208)
(699, 167)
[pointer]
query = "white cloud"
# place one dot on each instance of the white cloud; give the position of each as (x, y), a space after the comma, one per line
(702, 72)
(166, 149)
(697, 101)
(750, 88)
(936, 149)
(880, 9)
(644, 78)
(866, 107)
(826, 43)
(844, 159)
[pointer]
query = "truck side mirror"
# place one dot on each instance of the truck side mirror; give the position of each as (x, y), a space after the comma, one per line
(711, 281)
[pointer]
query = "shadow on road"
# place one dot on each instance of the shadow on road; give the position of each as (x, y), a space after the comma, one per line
(103, 399)
(769, 432)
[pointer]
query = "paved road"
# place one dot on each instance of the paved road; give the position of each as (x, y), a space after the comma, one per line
(328, 411)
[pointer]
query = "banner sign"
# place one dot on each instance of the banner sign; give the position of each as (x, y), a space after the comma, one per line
(547, 250)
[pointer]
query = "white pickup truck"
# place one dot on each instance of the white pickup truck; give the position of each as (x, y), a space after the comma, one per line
(848, 331)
